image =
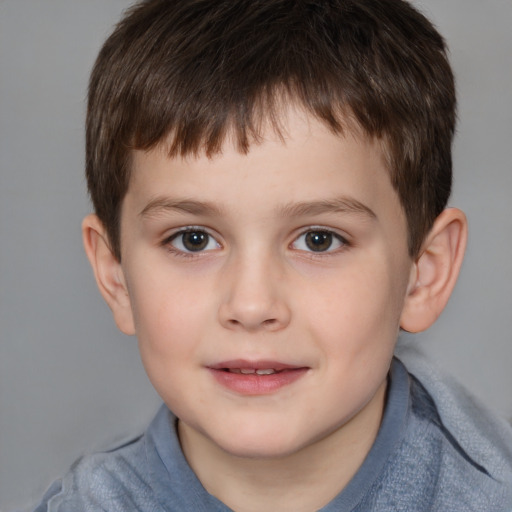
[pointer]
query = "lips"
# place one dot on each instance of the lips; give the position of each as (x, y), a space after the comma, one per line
(256, 377)
(250, 366)
(251, 371)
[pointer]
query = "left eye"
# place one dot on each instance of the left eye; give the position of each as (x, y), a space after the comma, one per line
(319, 240)
(193, 240)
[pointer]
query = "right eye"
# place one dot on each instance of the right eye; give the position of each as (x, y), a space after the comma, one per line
(193, 240)
(320, 241)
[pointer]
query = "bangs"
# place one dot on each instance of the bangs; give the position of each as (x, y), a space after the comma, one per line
(192, 73)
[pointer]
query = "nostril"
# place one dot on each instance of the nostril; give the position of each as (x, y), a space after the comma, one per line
(268, 323)
(252, 315)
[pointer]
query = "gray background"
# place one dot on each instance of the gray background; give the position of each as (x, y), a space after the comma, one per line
(69, 382)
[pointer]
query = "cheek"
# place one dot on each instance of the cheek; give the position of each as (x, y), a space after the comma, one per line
(168, 333)
(358, 311)
(168, 314)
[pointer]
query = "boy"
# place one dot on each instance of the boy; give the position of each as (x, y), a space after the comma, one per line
(270, 180)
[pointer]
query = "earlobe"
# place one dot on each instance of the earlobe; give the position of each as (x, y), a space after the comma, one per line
(435, 271)
(108, 272)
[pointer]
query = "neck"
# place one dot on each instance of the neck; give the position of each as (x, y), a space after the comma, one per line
(303, 481)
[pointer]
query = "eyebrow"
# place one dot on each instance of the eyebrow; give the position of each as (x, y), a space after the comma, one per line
(162, 204)
(336, 205)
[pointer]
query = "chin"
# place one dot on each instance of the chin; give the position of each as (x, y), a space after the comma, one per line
(260, 451)
(257, 445)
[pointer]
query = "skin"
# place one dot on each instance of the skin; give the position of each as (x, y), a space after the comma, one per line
(258, 292)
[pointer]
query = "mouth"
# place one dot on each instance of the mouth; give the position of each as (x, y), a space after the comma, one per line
(252, 371)
(256, 378)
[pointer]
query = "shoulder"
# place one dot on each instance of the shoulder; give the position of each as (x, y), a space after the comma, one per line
(119, 477)
(465, 449)
(482, 434)
(147, 474)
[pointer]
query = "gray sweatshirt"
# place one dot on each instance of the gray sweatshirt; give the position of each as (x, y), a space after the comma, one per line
(436, 450)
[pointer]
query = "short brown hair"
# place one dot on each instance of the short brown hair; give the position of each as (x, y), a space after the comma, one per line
(187, 72)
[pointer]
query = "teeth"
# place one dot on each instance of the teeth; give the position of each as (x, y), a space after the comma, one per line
(265, 372)
(252, 371)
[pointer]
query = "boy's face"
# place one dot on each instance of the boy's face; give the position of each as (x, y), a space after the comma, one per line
(291, 260)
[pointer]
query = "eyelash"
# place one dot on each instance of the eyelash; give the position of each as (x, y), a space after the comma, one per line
(334, 238)
(183, 252)
(167, 243)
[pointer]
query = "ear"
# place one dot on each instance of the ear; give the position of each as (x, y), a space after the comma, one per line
(108, 272)
(435, 271)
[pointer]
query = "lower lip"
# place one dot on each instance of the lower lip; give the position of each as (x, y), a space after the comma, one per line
(254, 384)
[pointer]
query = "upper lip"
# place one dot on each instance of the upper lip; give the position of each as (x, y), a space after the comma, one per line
(253, 365)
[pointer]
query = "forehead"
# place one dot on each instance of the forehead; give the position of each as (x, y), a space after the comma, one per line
(302, 160)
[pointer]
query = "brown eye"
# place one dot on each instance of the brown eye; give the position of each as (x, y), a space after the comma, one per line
(318, 241)
(193, 240)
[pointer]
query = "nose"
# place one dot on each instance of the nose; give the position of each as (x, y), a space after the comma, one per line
(253, 296)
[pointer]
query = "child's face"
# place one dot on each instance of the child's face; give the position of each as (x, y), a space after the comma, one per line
(291, 258)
